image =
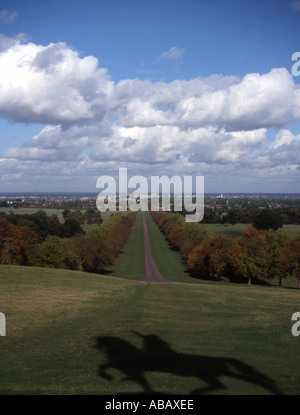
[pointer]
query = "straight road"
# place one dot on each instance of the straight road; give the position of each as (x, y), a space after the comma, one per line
(152, 272)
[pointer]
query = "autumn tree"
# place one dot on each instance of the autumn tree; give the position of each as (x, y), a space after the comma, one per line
(87, 253)
(182, 235)
(72, 252)
(290, 258)
(211, 257)
(11, 244)
(275, 243)
(31, 247)
(248, 255)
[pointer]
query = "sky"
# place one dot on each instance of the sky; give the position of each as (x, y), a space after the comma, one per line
(161, 87)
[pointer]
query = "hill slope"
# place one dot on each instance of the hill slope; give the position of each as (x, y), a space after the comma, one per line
(78, 333)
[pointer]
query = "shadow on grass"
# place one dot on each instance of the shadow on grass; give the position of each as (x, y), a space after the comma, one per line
(156, 355)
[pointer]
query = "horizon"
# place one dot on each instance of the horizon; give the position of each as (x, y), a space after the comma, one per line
(18, 194)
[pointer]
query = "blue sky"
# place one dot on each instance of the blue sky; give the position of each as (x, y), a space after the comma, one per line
(161, 87)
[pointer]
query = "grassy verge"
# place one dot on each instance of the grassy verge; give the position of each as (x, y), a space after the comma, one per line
(130, 263)
(169, 261)
(77, 333)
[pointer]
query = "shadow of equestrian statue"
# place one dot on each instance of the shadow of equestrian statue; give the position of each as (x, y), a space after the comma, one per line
(157, 356)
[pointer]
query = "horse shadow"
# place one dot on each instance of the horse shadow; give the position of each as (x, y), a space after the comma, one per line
(156, 355)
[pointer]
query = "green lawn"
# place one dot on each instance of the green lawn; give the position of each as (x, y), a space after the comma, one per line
(78, 333)
(130, 262)
(169, 261)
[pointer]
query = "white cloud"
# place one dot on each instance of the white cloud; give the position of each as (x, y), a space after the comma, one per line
(173, 54)
(50, 84)
(7, 17)
(213, 126)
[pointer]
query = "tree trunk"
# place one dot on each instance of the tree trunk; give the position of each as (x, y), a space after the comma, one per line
(249, 280)
(280, 278)
(298, 282)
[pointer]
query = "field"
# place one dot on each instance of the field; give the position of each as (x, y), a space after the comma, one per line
(75, 333)
(70, 332)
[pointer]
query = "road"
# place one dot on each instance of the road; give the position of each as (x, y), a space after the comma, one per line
(152, 272)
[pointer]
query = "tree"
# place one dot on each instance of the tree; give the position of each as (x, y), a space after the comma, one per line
(290, 258)
(31, 247)
(96, 254)
(248, 255)
(71, 227)
(211, 257)
(65, 212)
(87, 253)
(197, 232)
(267, 219)
(52, 252)
(275, 243)
(76, 215)
(11, 243)
(93, 216)
(72, 251)
(232, 217)
(54, 226)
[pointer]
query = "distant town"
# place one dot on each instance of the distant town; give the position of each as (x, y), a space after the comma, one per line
(218, 207)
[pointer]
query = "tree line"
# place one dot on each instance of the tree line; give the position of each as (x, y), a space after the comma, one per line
(257, 255)
(43, 241)
(261, 218)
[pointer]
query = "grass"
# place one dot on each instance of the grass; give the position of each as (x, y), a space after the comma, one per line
(77, 333)
(130, 262)
(64, 326)
(169, 261)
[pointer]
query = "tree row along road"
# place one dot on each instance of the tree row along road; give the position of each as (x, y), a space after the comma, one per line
(152, 272)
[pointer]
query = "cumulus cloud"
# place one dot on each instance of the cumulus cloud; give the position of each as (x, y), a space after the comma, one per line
(49, 84)
(94, 125)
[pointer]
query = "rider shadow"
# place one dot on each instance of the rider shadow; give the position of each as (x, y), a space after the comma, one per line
(157, 356)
